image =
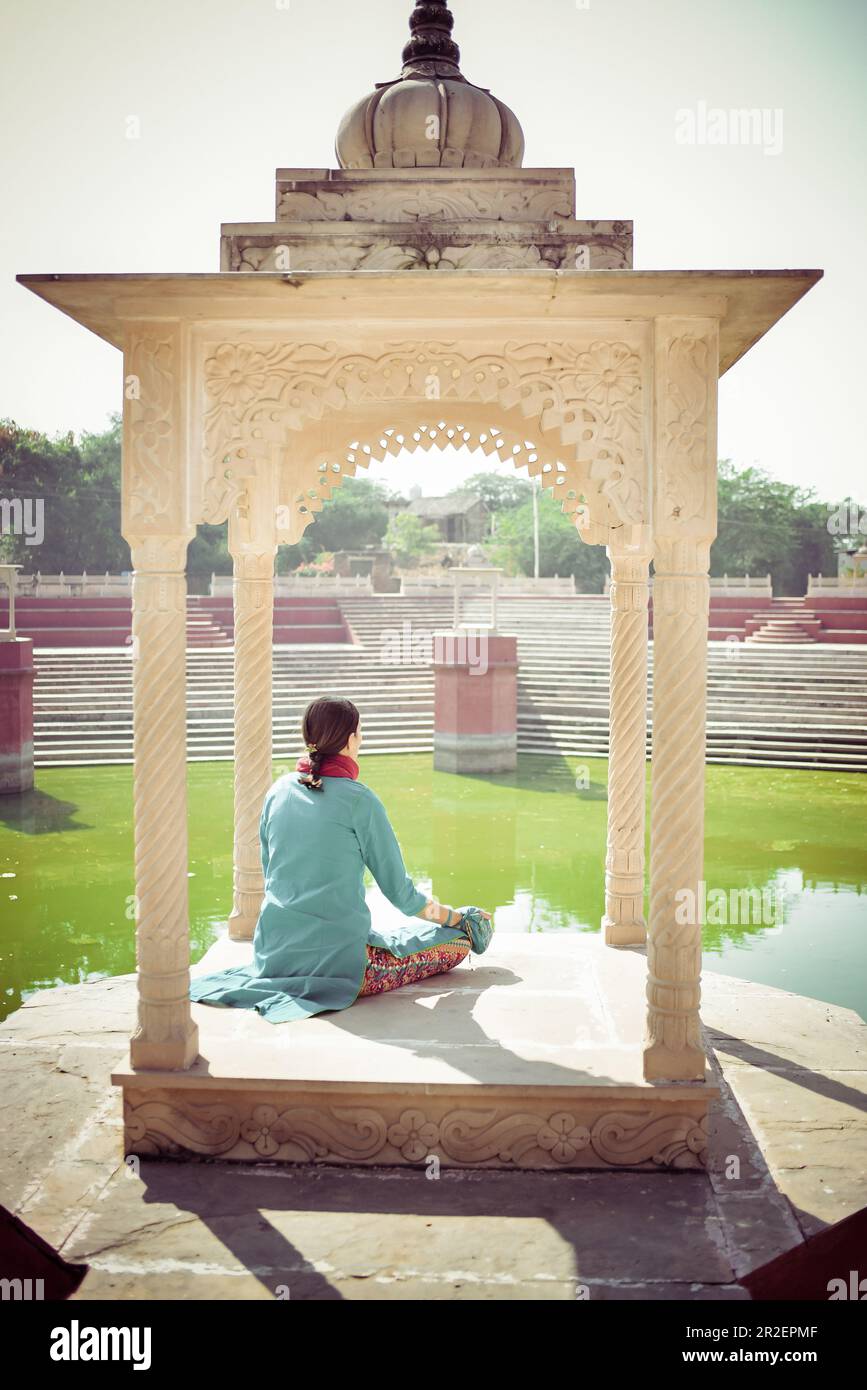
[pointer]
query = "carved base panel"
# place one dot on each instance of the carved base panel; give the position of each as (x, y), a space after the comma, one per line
(507, 1130)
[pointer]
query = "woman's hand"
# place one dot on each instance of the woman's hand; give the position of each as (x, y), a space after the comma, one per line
(445, 916)
(440, 913)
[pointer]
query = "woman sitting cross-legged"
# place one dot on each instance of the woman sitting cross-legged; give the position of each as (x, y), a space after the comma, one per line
(314, 948)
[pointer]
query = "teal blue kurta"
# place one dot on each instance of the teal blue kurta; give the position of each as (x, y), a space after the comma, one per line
(310, 943)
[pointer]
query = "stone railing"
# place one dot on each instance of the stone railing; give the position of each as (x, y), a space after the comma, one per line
(303, 586)
(743, 584)
(840, 583)
(75, 585)
(436, 583)
(738, 585)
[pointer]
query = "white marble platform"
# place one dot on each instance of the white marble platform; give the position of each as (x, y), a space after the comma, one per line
(528, 1056)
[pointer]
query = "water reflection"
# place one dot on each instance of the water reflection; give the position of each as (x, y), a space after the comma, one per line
(529, 845)
(36, 813)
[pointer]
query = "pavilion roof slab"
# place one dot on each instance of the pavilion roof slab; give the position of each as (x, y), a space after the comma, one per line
(747, 302)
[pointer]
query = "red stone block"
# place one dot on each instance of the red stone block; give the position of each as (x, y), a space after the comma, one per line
(475, 702)
(16, 715)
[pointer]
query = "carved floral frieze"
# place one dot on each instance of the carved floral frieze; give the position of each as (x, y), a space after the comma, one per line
(584, 1135)
(424, 202)
(585, 396)
(288, 256)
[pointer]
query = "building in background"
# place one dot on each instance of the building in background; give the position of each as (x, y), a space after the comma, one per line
(461, 518)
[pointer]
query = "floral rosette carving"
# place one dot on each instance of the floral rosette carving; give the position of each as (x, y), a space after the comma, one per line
(414, 1136)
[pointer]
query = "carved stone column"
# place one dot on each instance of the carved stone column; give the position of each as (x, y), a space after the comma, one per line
(623, 923)
(686, 363)
(155, 524)
(253, 546)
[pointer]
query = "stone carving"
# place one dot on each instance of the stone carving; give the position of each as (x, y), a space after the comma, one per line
(588, 396)
(150, 483)
(236, 375)
(155, 524)
(684, 511)
(154, 1128)
(375, 254)
(504, 443)
(495, 257)
(222, 490)
(414, 1136)
(245, 1129)
(425, 202)
(668, 1144)
(681, 599)
(477, 1136)
(349, 1133)
(390, 127)
(164, 1034)
(683, 483)
(162, 555)
(330, 256)
(623, 922)
(253, 592)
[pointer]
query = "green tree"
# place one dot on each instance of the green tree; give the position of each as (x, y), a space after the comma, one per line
(78, 485)
(561, 549)
(409, 539)
(354, 518)
(500, 492)
(770, 527)
(765, 526)
(208, 554)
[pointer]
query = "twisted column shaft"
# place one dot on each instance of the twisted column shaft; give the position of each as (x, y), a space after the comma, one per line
(253, 591)
(681, 596)
(165, 1036)
(623, 923)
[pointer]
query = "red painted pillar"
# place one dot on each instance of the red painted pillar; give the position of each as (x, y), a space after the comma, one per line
(16, 715)
(476, 702)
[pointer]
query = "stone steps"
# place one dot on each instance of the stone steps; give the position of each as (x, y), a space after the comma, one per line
(783, 632)
(772, 705)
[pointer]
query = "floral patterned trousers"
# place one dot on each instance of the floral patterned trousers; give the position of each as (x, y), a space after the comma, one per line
(385, 971)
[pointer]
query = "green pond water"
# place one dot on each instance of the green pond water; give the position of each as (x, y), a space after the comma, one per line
(528, 845)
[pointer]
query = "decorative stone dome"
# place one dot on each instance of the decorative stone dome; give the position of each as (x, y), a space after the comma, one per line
(431, 116)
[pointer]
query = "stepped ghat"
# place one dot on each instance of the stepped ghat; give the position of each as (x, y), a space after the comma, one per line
(429, 279)
(773, 707)
(100, 620)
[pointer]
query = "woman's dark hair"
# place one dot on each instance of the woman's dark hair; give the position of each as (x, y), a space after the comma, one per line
(326, 728)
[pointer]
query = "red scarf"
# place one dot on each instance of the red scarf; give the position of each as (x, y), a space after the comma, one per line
(339, 765)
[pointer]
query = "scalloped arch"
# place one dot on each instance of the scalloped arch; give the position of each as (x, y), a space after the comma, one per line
(299, 407)
(330, 463)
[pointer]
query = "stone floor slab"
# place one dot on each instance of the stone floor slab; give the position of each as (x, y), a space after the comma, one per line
(212, 1231)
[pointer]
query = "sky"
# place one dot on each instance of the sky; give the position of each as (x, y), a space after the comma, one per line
(225, 91)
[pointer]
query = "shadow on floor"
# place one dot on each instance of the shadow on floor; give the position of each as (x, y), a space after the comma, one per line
(763, 1060)
(399, 1229)
(450, 1016)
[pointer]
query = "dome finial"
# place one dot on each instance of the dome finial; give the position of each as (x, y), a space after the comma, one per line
(431, 24)
(430, 116)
